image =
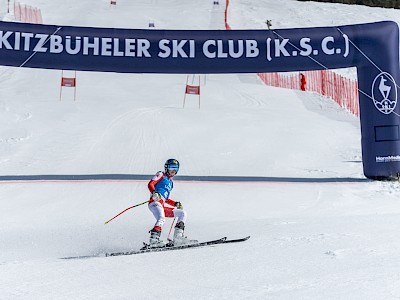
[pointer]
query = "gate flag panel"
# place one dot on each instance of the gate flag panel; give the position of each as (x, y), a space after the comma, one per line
(373, 48)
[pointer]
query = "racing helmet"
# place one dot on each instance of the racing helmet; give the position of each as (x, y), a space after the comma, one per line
(171, 164)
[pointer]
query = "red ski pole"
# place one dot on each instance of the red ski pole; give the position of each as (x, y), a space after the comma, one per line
(130, 207)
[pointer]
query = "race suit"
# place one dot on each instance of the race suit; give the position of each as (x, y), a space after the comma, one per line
(163, 184)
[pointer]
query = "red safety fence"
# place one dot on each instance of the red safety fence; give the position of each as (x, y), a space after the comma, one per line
(227, 27)
(342, 90)
(27, 14)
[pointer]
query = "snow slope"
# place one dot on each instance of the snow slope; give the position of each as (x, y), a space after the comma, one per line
(319, 229)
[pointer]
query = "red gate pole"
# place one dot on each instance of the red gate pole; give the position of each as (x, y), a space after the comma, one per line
(68, 82)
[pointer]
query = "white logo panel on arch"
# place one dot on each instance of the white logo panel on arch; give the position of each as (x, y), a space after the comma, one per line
(384, 93)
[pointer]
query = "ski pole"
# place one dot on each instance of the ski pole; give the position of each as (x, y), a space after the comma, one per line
(130, 207)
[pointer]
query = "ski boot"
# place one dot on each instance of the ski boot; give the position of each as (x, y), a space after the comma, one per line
(155, 241)
(179, 238)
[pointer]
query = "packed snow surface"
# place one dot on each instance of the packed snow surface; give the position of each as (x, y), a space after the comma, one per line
(284, 166)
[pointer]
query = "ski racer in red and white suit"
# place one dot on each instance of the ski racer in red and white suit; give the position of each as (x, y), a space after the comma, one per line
(160, 187)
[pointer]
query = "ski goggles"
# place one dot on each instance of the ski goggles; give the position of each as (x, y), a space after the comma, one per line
(173, 168)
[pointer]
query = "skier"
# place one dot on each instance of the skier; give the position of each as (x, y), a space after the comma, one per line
(160, 187)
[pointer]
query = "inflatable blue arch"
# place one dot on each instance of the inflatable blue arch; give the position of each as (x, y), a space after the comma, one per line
(372, 48)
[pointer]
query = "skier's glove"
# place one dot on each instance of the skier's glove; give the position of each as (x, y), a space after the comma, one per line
(178, 205)
(155, 196)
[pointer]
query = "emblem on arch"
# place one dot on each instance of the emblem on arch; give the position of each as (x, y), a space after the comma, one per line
(384, 93)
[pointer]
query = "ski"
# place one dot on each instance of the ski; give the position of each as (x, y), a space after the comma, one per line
(223, 240)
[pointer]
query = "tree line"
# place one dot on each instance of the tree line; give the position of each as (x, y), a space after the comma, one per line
(376, 3)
